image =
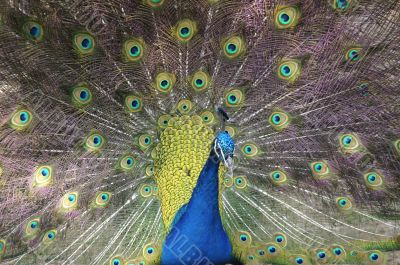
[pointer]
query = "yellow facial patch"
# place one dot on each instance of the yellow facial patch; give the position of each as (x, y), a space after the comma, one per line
(179, 158)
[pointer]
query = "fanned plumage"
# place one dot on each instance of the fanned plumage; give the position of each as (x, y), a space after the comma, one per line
(110, 109)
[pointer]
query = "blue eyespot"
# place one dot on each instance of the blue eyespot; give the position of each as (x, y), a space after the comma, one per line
(232, 47)
(45, 172)
(261, 252)
(279, 239)
(285, 70)
(371, 177)
(284, 18)
(71, 197)
(347, 140)
(96, 140)
(277, 176)
(24, 116)
(84, 95)
(321, 254)
(34, 31)
(150, 250)
(86, 43)
(276, 118)
(318, 167)
(374, 256)
(116, 262)
(185, 31)
(337, 251)
(243, 238)
(271, 249)
(34, 225)
(299, 260)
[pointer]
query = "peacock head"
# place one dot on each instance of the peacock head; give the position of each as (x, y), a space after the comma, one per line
(223, 147)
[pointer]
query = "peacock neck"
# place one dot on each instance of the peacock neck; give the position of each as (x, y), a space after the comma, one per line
(199, 224)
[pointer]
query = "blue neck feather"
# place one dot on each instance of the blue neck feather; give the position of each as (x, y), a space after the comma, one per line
(197, 235)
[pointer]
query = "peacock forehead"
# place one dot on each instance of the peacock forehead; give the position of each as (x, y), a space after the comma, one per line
(179, 157)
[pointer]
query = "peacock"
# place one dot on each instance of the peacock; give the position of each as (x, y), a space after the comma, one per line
(199, 132)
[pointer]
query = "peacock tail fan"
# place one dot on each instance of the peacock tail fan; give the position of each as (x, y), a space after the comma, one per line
(199, 132)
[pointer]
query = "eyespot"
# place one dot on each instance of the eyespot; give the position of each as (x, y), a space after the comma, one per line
(228, 181)
(21, 119)
(43, 176)
(102, 198)
(185, 30)
(320, 169)
(185, 106)
(234, 98)
(2, 247)
(117, 261)
(81, 95)
(133, 104)
(33, 31)
(273, 249)
(261, 253)
(69, 201)
(146, 190)
(231, 130)
(250, 150)
(94, 142)
(155, 3)
(342, 5)
(279, 120)
(32, 227)
(320, 256)
(150, 252)
(349, 143)
(149, 170)
(240, 182)
(375, 257)
(234, 47)
(163, 121)
(280, 239)
(49, 236)
(353, 54)
(127, 163)
(373, 180)
(344, 203)
(165, 82)
(145, 141)
(243, 238)
(338, 251)
(287, 17)
(134, 50)
(208, 117)
(299, 260)
(278, 177)
(84, 44)
(200, 81)
(289, 70)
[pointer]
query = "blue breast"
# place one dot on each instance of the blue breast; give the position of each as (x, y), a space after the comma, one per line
(197, 235)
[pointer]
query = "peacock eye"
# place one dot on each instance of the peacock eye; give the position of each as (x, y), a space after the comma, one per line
(289, 70)
(278, 177)
(21, 119)
(185, 106)
(84, 44)
(376, 256)
(342, 5)
(155, 3)
(338, 251)
(163, 121)
(280, 239)
(373, 180)
(250, 150)
(133, 50)
(69, 201)
(240, 182)
(165, 82)
(243, 238)
(234, 98)
(102, 198)
(208, 117)
(353, 54)
(234, 47)
(149, 170)
(81, 95)
(43, 176)
(185, 30)
(94, 142)
(32, 227)
(34, 31)
(200, 81)
(116, 261)
(349, 143)
(271, 249)
(127, 162)
(299, 260)
(344, 203)
(287, 17)
(279, 120)
(145, 141)
(49, 236)
(320, 169)
(146, 190)
(133, 104)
